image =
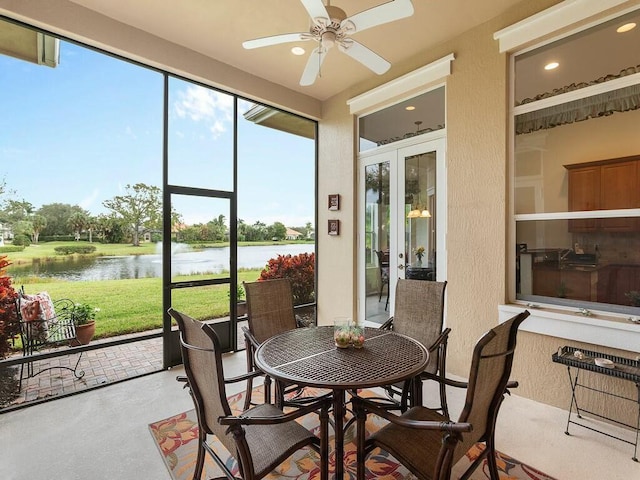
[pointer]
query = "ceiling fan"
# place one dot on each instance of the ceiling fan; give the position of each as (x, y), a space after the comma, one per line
(330, 26)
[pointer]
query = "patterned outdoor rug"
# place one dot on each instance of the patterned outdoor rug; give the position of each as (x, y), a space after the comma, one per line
(177, 439)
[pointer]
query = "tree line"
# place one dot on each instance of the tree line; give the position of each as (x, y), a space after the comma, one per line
(137, 211)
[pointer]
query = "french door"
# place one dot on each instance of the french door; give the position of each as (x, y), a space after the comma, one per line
(402, 222)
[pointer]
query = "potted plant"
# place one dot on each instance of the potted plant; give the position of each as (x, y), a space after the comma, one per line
(634, 297)
(241, 305)
(83, 316)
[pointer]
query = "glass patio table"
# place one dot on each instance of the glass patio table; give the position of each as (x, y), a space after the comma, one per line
(309, 357)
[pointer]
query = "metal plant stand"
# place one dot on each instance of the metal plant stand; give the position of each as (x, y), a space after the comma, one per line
(624, 368)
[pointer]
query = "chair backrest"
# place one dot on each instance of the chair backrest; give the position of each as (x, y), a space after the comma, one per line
(419, 313)
(383, 258)
(490, 369)
(201, 355)
(270, 308)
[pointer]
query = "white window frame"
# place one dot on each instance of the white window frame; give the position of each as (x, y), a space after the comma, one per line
(600, 327)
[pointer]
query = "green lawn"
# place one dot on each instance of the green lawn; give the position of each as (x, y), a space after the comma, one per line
(135, 305)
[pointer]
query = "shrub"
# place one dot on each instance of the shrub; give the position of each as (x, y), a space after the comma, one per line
(8, 315)
(71, 249)
(300, 269)
(21, 240)
(11, 248)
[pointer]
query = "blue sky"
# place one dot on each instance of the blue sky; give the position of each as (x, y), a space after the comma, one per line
(80, 132)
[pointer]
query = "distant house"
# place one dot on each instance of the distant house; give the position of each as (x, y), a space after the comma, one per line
(293, 234)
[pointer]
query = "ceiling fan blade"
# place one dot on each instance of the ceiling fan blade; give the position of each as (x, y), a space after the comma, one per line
(312, 69)
(274, 40)
(365, 56)
(385, 13)
(315, 8)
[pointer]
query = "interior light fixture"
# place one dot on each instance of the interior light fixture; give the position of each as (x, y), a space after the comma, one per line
(551, 65)
(409, 107)
(626, 27)
(297, 51)
(421, 211)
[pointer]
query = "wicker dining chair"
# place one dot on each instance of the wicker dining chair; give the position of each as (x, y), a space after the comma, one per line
(429, 443)
(269, 313)
(419, 314)
(260, 438)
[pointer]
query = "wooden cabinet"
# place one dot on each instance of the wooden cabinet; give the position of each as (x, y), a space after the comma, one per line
(619, 189)
(584, 194)
(571, 283)
(614, 281)
(604, 185)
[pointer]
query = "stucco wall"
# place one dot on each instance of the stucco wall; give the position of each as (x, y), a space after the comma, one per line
(478, 219)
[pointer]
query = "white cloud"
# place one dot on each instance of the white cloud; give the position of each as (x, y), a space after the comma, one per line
(89, 201)
(129, 133)
(201, 104)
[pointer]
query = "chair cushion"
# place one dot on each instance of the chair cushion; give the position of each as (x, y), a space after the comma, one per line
(35, 310)
(270, 445)
(421, 453)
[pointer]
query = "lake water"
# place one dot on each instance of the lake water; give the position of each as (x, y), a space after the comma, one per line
(184, 262)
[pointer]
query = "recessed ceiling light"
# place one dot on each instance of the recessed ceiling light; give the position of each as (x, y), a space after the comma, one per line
(551, 65)
(626, 27)
(297, 51)
(410, 107)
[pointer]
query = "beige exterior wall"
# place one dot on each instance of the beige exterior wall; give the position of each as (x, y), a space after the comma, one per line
(478, 217)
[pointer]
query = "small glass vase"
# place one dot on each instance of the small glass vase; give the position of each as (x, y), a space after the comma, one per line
(357, 336)
(342, 332)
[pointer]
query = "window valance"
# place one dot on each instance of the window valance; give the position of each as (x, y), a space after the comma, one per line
(602, 104)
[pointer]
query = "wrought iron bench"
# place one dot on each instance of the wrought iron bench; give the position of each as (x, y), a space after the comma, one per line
(45, 323)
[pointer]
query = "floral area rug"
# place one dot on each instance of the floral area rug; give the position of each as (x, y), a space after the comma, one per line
(177, 440)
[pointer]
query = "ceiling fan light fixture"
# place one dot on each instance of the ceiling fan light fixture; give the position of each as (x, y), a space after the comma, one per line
(298, 51)
(328, 39)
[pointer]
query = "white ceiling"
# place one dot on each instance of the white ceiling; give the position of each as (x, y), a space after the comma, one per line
(217, 28)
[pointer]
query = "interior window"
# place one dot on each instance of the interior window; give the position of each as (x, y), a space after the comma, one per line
(577, 169)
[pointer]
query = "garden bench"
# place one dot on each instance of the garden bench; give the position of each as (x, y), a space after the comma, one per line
(45, 323)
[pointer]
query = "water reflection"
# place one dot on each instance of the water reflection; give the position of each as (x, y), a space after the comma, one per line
(183, 262)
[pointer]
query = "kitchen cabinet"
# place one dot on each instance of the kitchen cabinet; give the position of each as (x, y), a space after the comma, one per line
(604, 185)
(619, 189)
(614, 281)
(584, 194)
(575, 283)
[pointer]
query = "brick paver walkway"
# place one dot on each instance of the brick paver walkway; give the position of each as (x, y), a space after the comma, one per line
(103, 365)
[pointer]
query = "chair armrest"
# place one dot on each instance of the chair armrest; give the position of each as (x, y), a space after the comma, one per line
(249, 336)
(446, 381)
(442, 339)
(388, 325)
(243, 377)
(362, 405)
(322, 403)
(458, 384)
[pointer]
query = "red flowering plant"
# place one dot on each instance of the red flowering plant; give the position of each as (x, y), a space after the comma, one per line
(8, 316)
(300, 269)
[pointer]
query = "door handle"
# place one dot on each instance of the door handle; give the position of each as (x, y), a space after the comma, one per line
(400, 267)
